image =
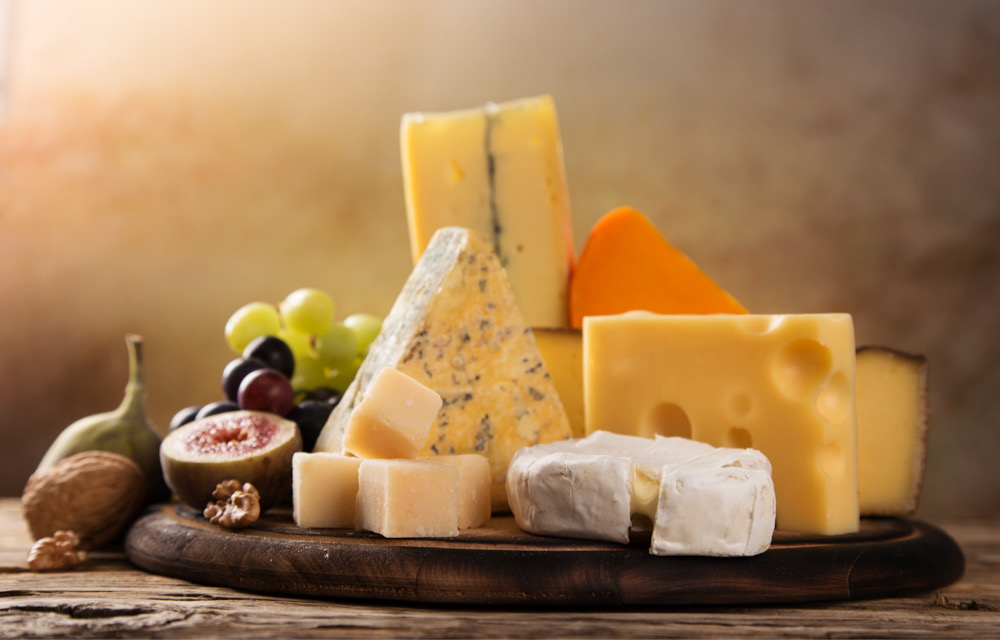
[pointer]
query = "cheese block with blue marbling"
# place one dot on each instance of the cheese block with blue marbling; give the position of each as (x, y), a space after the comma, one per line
(457, 329)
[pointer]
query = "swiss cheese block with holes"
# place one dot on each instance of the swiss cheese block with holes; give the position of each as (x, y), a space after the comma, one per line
(783, 384)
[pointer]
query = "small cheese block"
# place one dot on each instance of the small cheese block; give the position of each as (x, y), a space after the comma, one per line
(607, 485)
(711, 511)
(408, 498)
(499, 171)
(892, 430)
(456, 328)
(562, 350)
(474, 480)
(782, 384)
(393, 419)
(324, 490)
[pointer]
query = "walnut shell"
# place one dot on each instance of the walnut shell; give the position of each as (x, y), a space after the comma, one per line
(95, 494)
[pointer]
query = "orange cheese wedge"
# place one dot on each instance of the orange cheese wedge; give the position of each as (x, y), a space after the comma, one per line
(627, 265)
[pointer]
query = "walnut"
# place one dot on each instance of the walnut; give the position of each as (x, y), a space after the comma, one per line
(57, 552)
(236, 505)
(95, 494)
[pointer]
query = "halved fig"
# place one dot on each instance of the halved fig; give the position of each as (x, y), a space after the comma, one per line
(249, 446)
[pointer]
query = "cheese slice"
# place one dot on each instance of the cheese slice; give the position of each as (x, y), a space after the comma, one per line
(408, 498)
(499, 171)
(892, 430)
(703, 500)
(562, 350)
(780, 384)
(324, 490)
(456, 328)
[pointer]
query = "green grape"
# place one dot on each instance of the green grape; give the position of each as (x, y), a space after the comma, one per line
(310, 374)
(340, 373)
(249, 322)
(300, 343)
(366, 326)
(307, 311)
(337, 343)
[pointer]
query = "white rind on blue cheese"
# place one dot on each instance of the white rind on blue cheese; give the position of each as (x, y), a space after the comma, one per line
(606, 485)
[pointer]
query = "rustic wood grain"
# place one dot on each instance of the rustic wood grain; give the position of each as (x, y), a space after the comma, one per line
(502, 565)
(110, 597)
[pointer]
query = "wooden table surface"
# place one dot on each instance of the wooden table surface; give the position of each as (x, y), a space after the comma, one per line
(108, 597)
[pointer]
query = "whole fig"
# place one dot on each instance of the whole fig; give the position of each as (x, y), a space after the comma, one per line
(125, 431)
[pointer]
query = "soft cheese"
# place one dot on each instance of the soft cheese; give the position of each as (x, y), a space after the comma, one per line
(780, 384)
(499, 171)
(892, 430)
(605, 485)
(457, 329)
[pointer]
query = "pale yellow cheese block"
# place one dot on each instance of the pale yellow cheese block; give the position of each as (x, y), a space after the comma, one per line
(457, 329)
(562, 350)
(780, 384)
(408, 498)
(474, 480)
(892, 430)
(393, 419)
(324, 490)
(498, 170)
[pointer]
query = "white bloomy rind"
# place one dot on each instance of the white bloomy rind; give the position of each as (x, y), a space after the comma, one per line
(710, 501)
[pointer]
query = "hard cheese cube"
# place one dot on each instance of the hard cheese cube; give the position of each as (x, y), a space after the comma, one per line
(474, 480)
(394, 418)
(324, 489)
(706, 511)
(497, 170)
(780, 384)
(408, 498)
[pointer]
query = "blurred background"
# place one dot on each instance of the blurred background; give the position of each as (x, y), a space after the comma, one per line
(164, 162)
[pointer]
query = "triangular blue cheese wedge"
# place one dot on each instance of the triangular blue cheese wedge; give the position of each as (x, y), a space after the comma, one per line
(457, 329)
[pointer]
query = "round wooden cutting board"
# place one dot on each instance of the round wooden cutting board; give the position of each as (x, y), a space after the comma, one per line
(501, 564)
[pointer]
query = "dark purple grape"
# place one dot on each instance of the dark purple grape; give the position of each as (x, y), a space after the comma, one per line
(213, 408)
(184, 416)
(311, 416)
(274, 352)
(266, 390)
(234, 373)
(324, 394)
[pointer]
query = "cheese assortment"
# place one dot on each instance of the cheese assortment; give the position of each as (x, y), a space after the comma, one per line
(630, 394)
(497, 170)
(697, 499)
(783, 384)
(456, 328)
(378, 484)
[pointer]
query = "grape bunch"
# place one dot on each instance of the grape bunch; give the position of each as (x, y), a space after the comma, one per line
(294, 360)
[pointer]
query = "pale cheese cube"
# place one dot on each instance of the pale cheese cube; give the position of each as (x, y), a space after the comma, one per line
(408, 498)
(474, 479)
(706, 511)
(324, 489)
(394, 418)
